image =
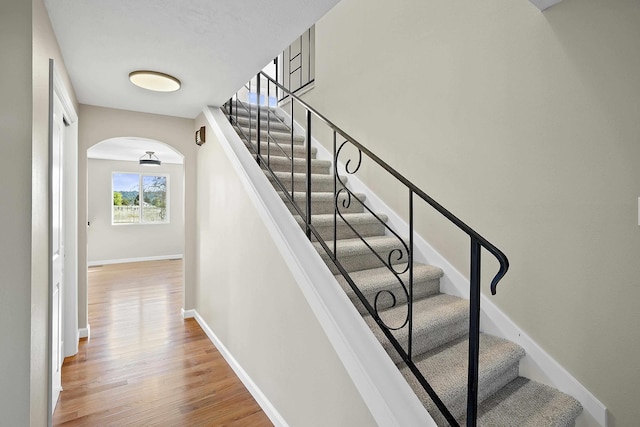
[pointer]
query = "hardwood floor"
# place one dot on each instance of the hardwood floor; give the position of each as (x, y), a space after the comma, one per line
(144, 364)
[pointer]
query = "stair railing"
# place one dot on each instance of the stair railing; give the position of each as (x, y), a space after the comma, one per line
(399, 260)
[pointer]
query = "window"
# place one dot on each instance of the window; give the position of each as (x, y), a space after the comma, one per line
(139, 198)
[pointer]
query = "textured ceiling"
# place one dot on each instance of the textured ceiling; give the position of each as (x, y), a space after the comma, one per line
(212, 46)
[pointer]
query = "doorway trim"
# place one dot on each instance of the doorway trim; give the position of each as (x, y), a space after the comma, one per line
(58, 89)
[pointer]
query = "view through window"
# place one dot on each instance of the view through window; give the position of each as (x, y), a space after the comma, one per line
(139, 198)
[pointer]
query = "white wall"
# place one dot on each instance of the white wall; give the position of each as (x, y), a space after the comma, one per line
(112, 243)
(15, 216)
(250, 299)
(524, 124)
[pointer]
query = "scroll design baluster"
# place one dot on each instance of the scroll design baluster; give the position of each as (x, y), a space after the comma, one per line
(393, 258)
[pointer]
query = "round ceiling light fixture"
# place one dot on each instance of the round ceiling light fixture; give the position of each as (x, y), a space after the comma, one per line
(154, 80)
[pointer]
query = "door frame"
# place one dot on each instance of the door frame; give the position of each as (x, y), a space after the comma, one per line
(58, 89)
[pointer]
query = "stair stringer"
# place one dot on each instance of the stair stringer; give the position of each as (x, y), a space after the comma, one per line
(537, 364)
(389, 398)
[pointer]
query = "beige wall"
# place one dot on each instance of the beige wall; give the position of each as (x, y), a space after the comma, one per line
(107, 241)
(15, 223)
(97, 124)
(524, 124)
(26, 44)
(248, 296)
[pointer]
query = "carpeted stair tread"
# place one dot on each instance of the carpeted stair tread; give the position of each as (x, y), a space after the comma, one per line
(319, 182)
(437, 320)
(322, 220)
(243, 109)
(426, 281)
(527, 403)
(282, 149)
(282, 164)
(354, 255)
(323, 203)
(365, 224)
(445, 368)
(272, 135)
(273, 123)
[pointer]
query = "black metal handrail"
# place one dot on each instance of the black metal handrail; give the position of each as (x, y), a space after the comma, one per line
(397, 257)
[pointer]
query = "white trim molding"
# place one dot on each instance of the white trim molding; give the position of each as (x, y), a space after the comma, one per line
(383, 389)
(85, 332)
(140, 259)
(60, 89)
(251, 386)
(188, 314)
(544, 4)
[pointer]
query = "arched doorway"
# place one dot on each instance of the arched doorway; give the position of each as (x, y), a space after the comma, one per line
(145, 221)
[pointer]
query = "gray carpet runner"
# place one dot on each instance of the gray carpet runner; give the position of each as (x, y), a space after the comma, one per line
(441, 321)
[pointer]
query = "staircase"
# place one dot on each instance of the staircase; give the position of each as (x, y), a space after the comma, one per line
(362, 242)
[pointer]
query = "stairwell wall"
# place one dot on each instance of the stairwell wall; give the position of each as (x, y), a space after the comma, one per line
(250, 300)
(524, 124)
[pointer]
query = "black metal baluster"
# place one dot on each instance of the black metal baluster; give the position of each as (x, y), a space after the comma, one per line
(335, 198)
(231, 109)
(268, 123)
(258, 123)
(308, 113)
(293, 189)
(474, 333)
(410, 302)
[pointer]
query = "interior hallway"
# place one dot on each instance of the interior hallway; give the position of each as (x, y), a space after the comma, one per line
(144, 364)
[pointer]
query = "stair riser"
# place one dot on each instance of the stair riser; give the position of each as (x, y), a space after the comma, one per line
(279, 150)
(301, 185)
(421, 289)
(298, 166)
(426, 342)
(356, 262)
(278, 136)
(325, 207)
(345, 232)
(458, 408)
(272, 138)
(273, 124)
(241, 112)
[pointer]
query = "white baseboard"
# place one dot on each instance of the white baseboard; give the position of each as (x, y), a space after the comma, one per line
(537, 365)
(139, 259)
(85, 332)
(188, 314)
(252, 387)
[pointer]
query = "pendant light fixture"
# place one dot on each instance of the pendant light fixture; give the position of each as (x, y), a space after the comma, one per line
(150, 159)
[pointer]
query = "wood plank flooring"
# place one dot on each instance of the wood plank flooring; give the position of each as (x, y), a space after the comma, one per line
(144, 364)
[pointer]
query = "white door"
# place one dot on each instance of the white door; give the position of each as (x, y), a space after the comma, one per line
(57, 249)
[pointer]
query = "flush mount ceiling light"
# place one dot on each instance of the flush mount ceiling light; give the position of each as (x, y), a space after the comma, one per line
(154, 80)
(150, 159)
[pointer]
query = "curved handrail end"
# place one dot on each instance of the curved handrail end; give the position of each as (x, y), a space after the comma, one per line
(504, 266)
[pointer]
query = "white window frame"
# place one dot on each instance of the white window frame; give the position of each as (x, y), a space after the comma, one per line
(141, 176)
